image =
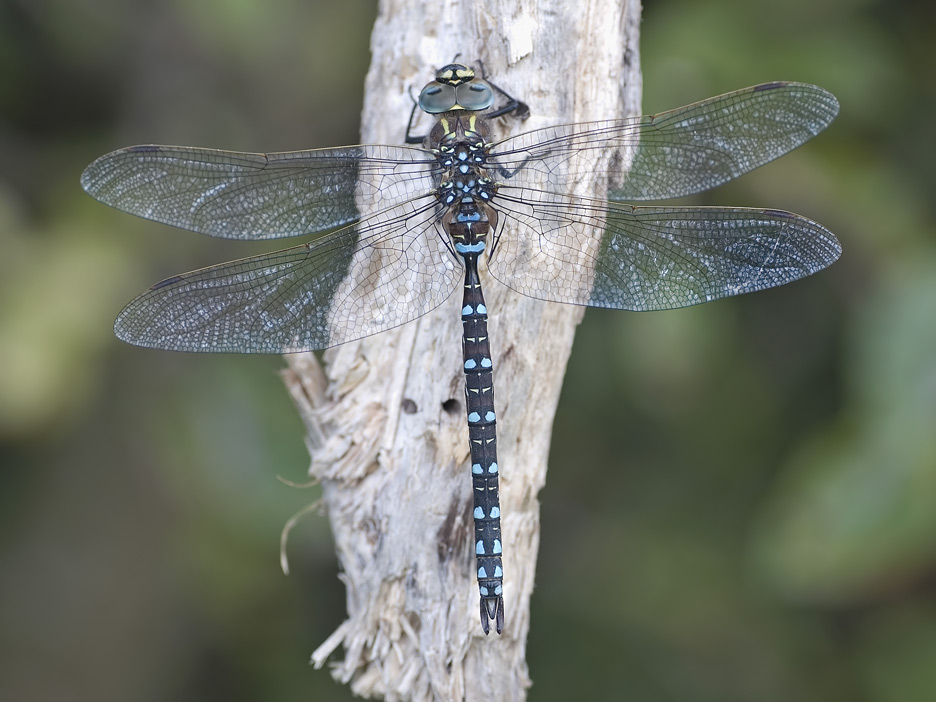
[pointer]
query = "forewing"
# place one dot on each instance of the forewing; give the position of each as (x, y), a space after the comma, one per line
(360, 280)
(652, 258)
(257, 196)
(671, 154)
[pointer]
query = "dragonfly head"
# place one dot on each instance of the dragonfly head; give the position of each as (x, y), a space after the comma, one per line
(456, 88)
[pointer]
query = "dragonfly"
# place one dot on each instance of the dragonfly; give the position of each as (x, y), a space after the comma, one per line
(412, 221)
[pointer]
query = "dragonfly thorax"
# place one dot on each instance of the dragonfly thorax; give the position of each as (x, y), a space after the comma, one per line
(464, 154)
(454, 131)
(466, 187)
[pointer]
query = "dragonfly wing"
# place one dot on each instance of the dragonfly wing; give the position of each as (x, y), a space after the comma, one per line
(653, 258)
(257, 196)
(670, 154)
(360, 280)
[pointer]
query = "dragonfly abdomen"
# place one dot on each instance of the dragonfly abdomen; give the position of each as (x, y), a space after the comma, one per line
(482, 438)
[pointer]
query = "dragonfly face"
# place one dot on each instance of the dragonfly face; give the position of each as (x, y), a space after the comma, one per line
(455, 88)
(464, 195)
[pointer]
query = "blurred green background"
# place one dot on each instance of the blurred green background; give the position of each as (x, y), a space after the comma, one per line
(741, 502)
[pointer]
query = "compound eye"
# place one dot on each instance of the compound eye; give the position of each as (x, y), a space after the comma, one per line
(476, 95)
(436, 98)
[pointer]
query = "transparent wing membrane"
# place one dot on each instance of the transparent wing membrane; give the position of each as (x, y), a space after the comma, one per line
(392, 260)
(652, 258)
(671, 154)
(257, 196)
(360, 280)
